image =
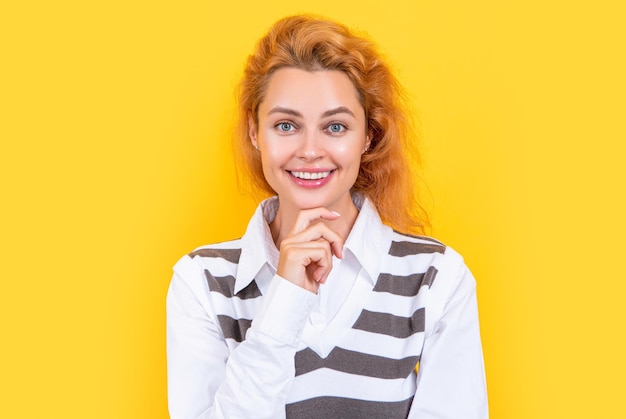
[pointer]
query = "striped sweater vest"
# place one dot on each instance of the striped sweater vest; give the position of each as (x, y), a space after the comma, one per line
(370, 372)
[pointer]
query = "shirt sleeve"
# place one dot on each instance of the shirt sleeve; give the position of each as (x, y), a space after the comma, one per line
(207, 380)
(451, 378)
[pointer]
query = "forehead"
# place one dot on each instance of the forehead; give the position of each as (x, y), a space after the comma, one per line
(310, 91)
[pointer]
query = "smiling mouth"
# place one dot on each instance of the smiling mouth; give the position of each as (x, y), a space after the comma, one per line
(311, 175)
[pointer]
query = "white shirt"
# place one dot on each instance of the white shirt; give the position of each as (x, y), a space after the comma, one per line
(212, 375)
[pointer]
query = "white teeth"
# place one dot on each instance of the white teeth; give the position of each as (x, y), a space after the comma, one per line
(310, 175)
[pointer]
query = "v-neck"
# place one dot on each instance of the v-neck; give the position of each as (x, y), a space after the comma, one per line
(326, 326)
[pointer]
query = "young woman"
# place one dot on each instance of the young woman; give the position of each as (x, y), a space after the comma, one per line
(329, 306)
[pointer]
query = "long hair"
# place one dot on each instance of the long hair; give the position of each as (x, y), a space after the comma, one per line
(386, 176)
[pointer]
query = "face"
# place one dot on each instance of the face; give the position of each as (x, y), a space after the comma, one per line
(311, 134)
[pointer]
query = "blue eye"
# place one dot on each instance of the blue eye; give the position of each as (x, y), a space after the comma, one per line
(284, 126)
(336, 128)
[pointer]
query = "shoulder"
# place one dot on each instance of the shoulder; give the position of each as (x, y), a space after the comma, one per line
(413, 253)
(228, 251)
(403, 244)
(220, 256)
(448, 277)
(425, 248)
(192, 272)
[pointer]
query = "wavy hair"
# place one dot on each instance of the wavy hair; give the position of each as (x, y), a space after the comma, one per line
(387, 173)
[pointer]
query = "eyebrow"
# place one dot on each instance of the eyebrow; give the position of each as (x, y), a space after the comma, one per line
(341, 109)
(280, 109)
(330, 112)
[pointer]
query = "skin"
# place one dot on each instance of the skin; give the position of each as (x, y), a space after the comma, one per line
(311, 134)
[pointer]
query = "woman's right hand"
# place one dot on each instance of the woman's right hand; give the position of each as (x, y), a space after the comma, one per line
(306, 253)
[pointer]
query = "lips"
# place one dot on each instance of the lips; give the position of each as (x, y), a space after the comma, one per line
(311, 179)
(311, 175)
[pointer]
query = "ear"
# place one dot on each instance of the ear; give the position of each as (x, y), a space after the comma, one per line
(368, 141)
(252, 131)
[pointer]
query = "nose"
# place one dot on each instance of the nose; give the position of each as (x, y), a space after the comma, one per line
(311, 146)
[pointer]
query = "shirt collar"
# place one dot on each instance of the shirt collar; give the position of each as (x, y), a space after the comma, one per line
(368, 241)
(257, 246)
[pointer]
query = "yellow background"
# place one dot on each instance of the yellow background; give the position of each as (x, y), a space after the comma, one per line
(114, 162)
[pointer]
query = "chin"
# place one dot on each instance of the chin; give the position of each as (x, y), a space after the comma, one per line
(310, 201)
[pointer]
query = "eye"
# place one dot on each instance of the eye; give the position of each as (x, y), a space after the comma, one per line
(285, 126)
(336, 128)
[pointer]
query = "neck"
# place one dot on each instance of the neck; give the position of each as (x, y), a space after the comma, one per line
(286, 218)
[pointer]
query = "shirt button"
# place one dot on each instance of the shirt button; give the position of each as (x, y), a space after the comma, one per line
(317, 319)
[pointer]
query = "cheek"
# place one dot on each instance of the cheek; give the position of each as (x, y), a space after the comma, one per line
(349, 154)
(273, 160)
(269, 171)
(274, 156)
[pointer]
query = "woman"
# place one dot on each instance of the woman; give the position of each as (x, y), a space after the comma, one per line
(324, 308)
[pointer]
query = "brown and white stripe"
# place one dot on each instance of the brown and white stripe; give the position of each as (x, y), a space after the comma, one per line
(370, 372)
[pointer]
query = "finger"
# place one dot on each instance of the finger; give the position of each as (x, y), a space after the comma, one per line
(319, 269)
(322, 267)
(307, 217)
(318, 251)
(305, 261)
(320, 273)
(319, 231)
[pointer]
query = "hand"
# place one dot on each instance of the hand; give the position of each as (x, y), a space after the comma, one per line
(306, 253)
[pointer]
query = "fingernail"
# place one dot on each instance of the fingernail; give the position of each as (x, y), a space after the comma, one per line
(336, 213)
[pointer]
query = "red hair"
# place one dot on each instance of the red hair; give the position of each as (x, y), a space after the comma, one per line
(386, 175)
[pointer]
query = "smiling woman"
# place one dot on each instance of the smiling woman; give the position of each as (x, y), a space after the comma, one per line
(327, 304)
(311, 134)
